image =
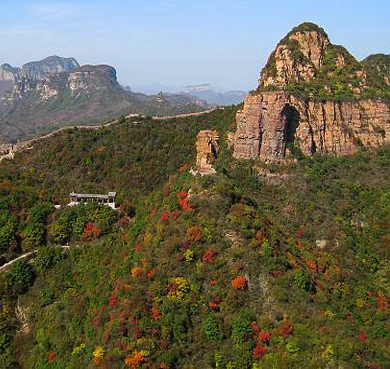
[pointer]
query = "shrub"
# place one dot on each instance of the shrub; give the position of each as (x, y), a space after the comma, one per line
(194, 234)
(239, 283)
(211, 329)
(241, 329)
(259, 351)
(34, 235)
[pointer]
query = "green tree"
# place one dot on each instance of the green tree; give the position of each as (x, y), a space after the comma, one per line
(34, 235)
(7, 237)
(21, 276)
(47, 256)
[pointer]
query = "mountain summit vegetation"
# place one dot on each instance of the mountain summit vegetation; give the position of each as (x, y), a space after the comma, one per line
(307, 64)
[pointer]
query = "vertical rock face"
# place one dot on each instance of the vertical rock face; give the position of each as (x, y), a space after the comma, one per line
(310, 97)
(270, 121)
(92, 78)
(207, 150)
(38, 70)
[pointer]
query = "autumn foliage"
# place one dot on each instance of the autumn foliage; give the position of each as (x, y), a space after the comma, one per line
(51, 357)
(362, 337)
(259, 351)
(164, 215)
(135, 361)
(136, 272)
(239, 283)
(264, 336)
(91, 232)
(156, 315)
(286, 328)
(194, 234)
(209, 256)
(183, 201)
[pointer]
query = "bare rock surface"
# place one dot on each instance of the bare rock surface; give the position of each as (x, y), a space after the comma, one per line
(207, 150)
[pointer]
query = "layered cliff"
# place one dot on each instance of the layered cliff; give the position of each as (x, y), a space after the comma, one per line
(37, 70)
(313, 96)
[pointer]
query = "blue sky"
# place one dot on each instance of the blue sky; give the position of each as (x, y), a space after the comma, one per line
(182, 42)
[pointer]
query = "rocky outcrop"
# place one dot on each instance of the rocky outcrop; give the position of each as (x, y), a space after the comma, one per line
(9, 73)
(280, 113)
(207, 150)
(87, 79)
(38, 70)
(270, 121)
(92, 78)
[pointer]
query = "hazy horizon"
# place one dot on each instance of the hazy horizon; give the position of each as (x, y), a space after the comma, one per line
(178, 43)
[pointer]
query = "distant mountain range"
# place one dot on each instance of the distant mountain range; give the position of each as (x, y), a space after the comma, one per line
(213, 97)
(56, 91)
(207, 92)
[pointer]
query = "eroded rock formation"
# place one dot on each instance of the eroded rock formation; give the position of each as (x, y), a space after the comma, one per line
(207, 150)
(301, 103)
(270, 121)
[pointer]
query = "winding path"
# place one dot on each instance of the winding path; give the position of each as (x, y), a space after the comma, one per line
(27, 256)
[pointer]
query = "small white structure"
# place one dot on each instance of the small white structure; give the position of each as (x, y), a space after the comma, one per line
(77, 198)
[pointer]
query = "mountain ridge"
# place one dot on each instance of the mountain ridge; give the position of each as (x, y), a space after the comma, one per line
(61, 92)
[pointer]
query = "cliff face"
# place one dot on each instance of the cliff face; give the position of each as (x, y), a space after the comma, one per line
(207, 149)
(272, 120)
(9, 73)
(38, 70)
(88, 77)
(285, 110)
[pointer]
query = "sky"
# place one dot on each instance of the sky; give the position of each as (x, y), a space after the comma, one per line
(182, 42)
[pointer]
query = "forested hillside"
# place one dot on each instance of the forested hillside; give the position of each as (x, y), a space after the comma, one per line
(258, 266)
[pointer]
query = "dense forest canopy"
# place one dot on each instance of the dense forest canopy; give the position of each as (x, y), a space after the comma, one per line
(227, 271)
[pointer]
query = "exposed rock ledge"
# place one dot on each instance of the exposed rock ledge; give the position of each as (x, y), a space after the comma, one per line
(272, 120)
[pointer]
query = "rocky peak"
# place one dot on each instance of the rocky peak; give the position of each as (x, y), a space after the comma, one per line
(9, 73)
(38, 70)
(296, 57)
(93, 78)
(316, 97)
(207, 150)
(305, 55)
